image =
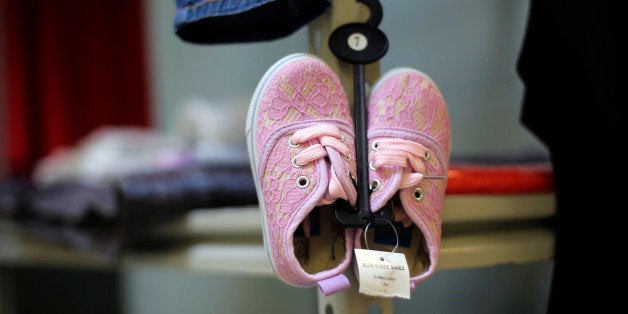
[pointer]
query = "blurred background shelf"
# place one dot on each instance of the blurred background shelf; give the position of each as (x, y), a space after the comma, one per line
(478, 230)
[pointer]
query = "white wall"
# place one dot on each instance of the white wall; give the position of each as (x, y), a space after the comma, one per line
(469, 48)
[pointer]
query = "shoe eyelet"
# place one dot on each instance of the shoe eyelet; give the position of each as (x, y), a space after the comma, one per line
(303, 182)
(371, 166)
(347, 157)
(291, 144)
(342, 138)
(374, 185)
(294, 162)
(352, 177)
(375, 145)
(427, 156)
(418, 194)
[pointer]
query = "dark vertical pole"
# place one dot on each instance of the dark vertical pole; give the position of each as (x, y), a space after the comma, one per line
(361, 141)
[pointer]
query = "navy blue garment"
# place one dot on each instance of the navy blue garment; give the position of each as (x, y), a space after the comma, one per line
(237, 21)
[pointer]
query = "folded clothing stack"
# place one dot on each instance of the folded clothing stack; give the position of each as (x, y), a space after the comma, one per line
(123, 210)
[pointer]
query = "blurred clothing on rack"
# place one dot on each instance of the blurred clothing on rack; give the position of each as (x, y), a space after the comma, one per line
(107, 215)
(118, 183)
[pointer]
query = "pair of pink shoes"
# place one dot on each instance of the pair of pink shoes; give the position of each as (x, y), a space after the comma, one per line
(300, 138)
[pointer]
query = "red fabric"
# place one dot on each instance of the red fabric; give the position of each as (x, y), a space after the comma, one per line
(500, 179)
(72, 66)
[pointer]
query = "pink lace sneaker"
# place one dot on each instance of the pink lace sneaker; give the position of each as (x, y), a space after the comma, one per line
(409, 142)
(301, 147)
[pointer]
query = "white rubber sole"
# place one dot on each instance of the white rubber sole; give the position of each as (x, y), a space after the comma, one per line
(251, 134)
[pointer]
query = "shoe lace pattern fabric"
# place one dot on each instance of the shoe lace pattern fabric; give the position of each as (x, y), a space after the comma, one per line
(305, 146)
(409, 140)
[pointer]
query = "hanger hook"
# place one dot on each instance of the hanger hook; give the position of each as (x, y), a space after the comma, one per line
(376, 12)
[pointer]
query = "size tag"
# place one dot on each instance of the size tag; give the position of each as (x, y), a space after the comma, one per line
(383, 274)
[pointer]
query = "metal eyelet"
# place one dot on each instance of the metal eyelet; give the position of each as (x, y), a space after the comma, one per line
(375, 145)
(347, 157)
(374, 185)
(418, 194)
(342, 138)
(292, 145)
(303, 182)
(371, 166)
(294, 162)
(352, 177)
(427, 156)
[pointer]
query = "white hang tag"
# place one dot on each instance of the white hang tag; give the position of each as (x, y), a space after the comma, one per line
(383, 274)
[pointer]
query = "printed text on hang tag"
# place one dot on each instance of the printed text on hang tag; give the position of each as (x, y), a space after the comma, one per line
(383, 274)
